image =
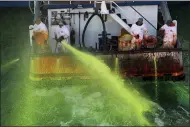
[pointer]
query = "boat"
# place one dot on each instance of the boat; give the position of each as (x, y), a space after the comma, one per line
(101, 35)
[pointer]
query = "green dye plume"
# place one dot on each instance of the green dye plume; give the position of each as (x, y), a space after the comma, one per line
(136, 104)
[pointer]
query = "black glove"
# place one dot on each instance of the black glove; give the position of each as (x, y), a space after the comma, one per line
(61, 38)
(137, 36)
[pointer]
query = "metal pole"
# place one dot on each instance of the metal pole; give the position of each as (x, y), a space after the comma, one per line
(94, 4)
(79, 30)
(36, 16)
(165, 11)
(143, 17)
(189, 67)
(36, 9)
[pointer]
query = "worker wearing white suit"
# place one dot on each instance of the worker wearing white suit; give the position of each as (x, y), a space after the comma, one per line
(139, 32)
(40, 33)
(40, 27)
(170, 34)
(62, 33)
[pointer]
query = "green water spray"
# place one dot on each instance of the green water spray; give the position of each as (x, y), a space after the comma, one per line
(156, 79)
(23, 113)
(26, 114)
(136, 103)
(9, 63)
(116, 65)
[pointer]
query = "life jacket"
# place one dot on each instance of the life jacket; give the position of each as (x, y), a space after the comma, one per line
(42, 36)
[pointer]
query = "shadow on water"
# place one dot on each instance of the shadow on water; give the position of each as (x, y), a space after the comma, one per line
(167, 95)
(173, 97)
(168, 91)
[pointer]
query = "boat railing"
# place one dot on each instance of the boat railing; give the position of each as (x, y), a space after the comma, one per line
(119, 9)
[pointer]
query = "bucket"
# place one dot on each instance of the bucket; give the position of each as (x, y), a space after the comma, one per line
(150, 42)
(125, 42)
